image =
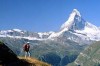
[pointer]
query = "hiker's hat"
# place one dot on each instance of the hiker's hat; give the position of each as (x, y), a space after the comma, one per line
(28, 42)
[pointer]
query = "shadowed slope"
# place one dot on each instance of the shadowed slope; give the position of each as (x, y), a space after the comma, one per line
(6, 55)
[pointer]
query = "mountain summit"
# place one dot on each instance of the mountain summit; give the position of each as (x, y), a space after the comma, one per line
(77, 26)
(74, 22)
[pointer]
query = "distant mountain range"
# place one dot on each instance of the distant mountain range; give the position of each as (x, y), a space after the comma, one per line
(75, 25)
(65, 45)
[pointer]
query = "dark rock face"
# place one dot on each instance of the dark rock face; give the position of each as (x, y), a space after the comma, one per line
(6, 55)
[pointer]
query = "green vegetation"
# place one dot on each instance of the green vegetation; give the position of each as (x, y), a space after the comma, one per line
(89, 57)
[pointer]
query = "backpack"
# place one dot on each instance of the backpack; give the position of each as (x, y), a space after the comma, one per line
(26, 47)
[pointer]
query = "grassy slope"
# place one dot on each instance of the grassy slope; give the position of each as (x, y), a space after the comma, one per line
(34, 62)
(90, 56)
(27, 62)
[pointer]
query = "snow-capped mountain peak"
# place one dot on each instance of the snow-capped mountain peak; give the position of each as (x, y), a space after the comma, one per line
(77, 12)
(77, 26)
(74, 22)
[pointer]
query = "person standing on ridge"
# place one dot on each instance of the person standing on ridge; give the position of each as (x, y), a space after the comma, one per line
(26, 48)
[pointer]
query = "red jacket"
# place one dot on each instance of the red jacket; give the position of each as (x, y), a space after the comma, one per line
(26, 47)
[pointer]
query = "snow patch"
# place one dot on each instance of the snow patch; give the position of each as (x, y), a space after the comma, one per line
(18, 30)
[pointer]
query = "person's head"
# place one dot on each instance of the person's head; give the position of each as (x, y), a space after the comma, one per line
(28, 42)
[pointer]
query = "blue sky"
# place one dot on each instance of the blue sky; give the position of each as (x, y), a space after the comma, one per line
(45, 15)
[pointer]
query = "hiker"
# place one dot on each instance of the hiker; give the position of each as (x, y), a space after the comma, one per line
(26, 48)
